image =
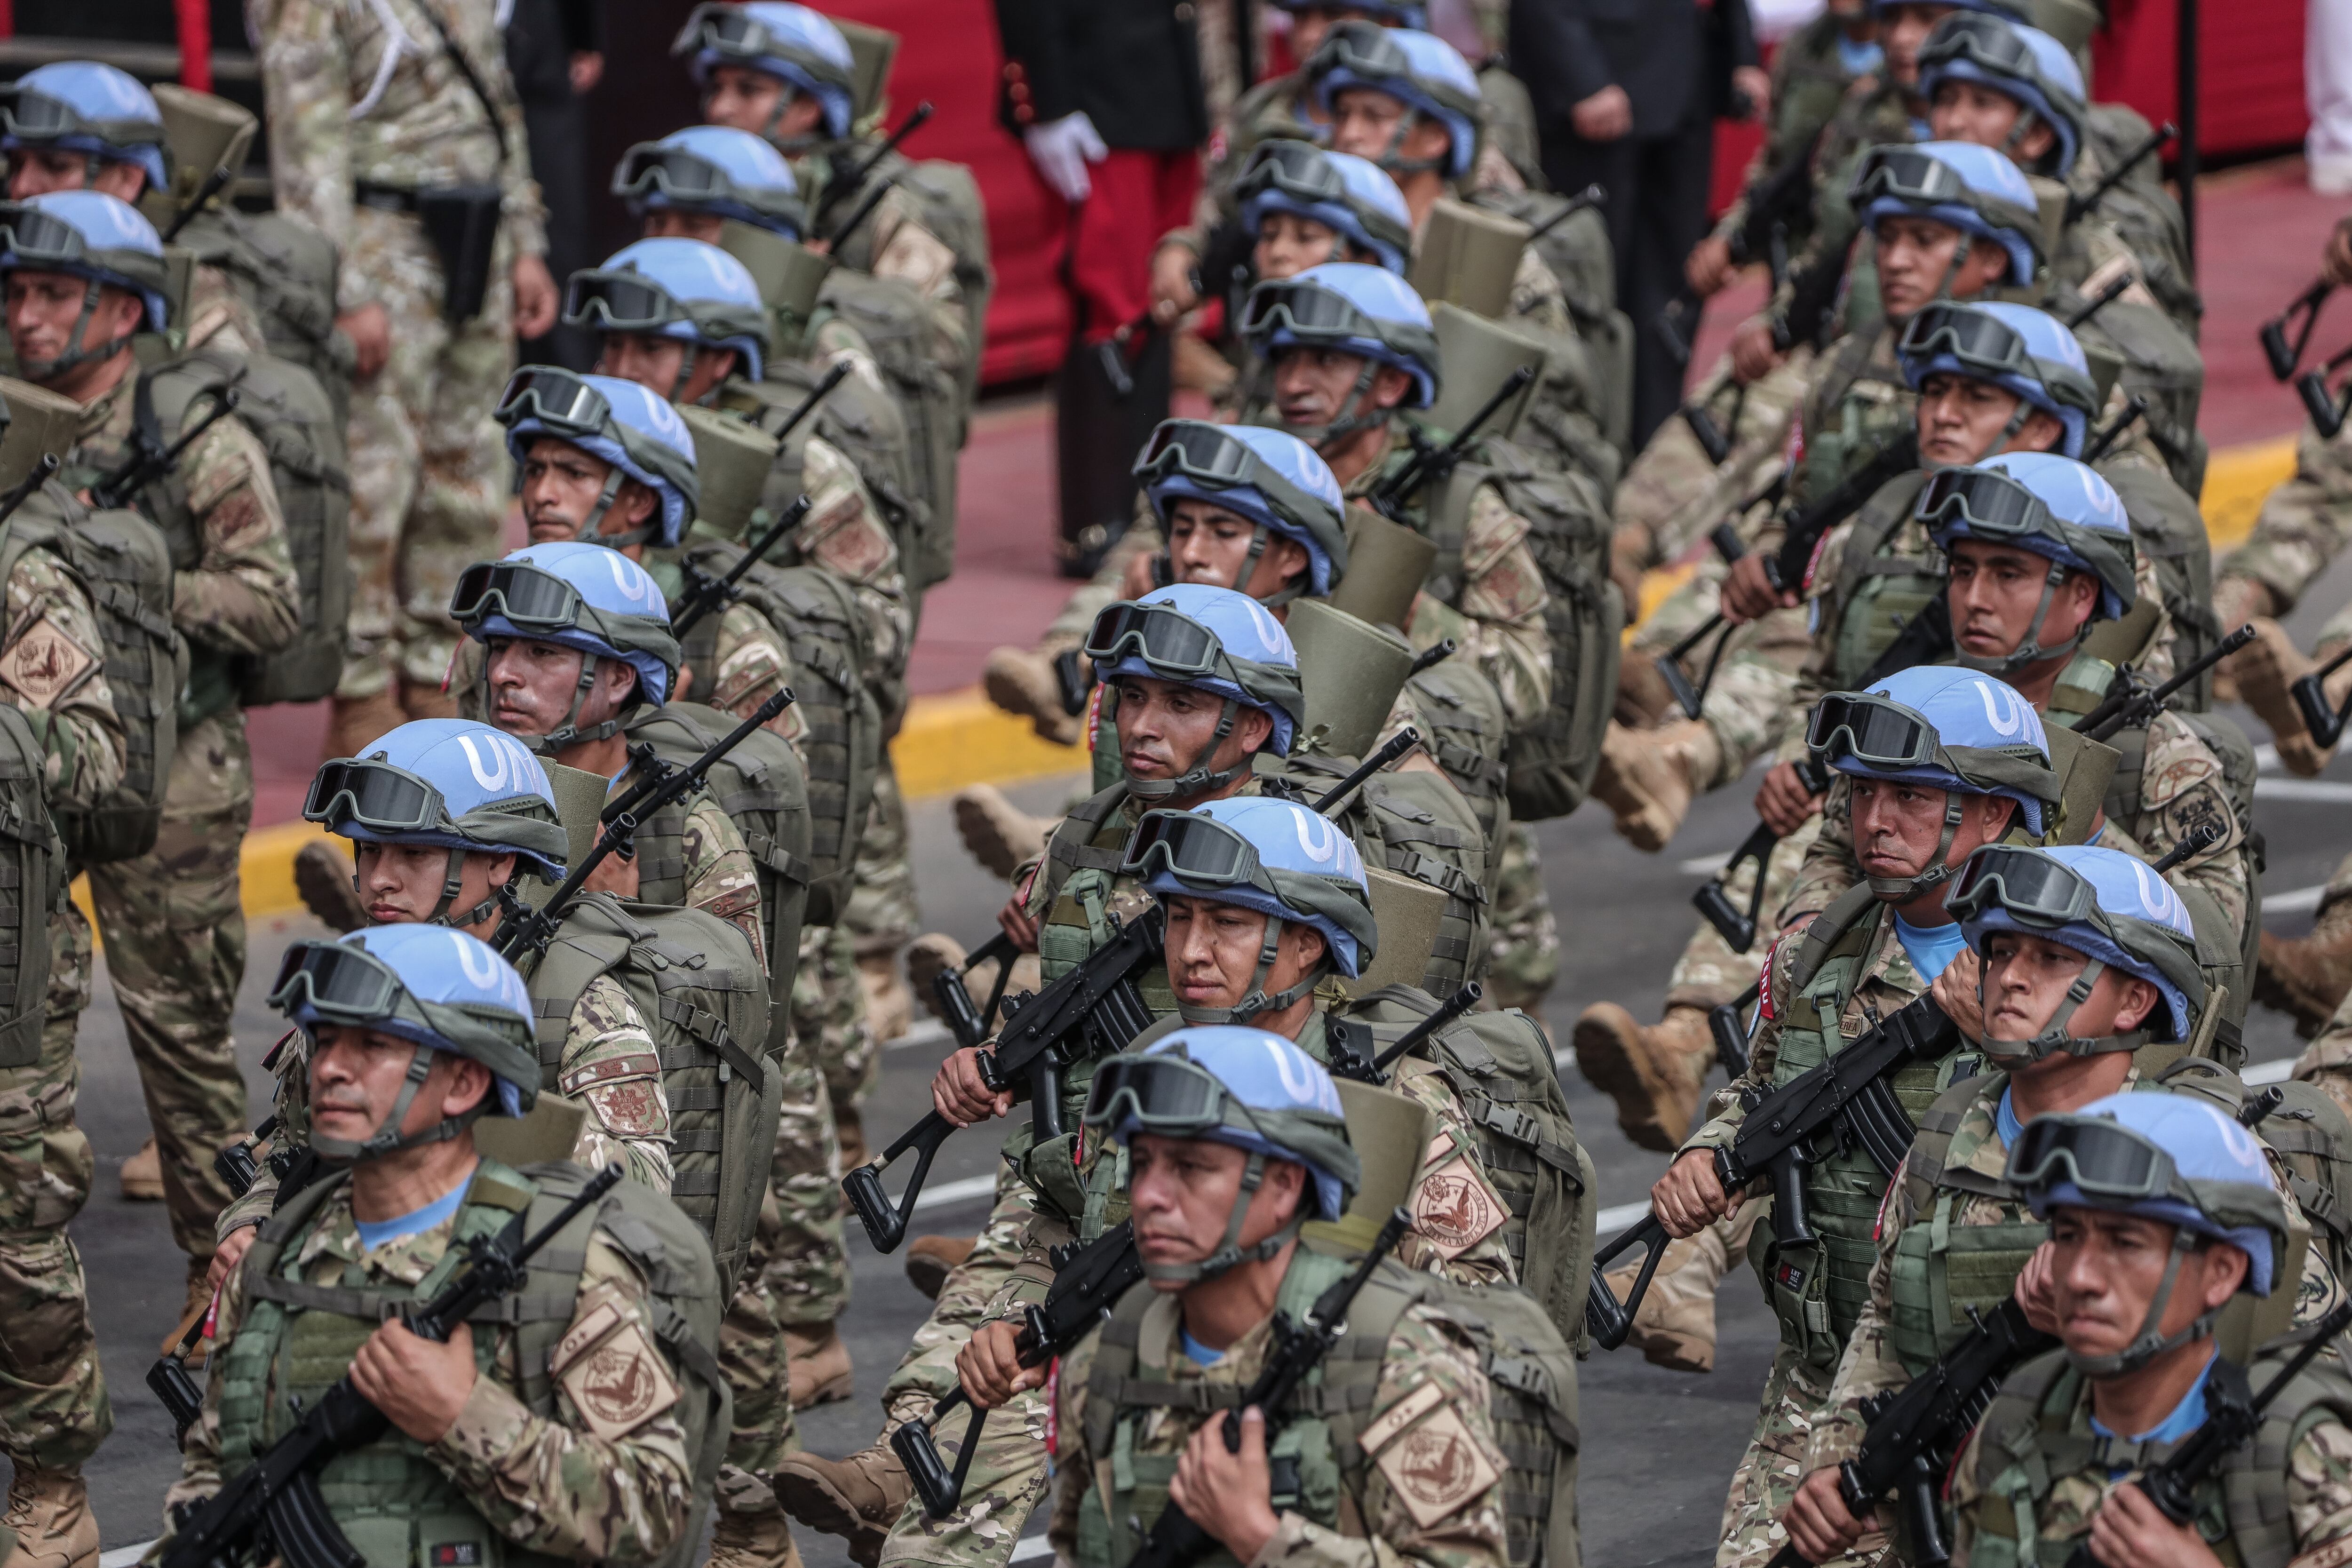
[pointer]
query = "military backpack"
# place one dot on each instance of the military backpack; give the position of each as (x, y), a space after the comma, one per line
(897, 328)
(32, 875)
(283, 271)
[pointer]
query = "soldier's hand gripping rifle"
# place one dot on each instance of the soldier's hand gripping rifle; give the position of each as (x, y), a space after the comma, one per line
(1843, 1099)
(1807, 523)
(857, 177)
(274, 1506)
(1352, 1042)
(1737, 929)
(705, 592)
(2131, 704)
(1175, 1540)
(1430, 464)
(149, 461)
(1088, 1280)
(1916, 1431)
(523, 930)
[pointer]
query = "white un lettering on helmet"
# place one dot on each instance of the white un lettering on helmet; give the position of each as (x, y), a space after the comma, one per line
(630, 578)
(2158, 901)
(510, 767)
(1320, 840)
(1271, 639)
(2006, 719)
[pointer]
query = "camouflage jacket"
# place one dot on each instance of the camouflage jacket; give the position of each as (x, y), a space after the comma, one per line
(365, 91)
(550, 1485)
(748, 662)
(893, 243)
(1874, 111)
(719, 874)
(1809, 84)
(52, 669)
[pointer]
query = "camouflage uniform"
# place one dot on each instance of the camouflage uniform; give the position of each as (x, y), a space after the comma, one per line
(1810, 82)
(1523, 938)
(558, 1485)
(1875, 111)
(2303, 525)
(54, 1412)
(368, 93)
(171, 918)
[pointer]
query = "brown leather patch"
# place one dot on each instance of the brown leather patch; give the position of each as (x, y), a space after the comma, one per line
(619, 1385)
(1454, 1209)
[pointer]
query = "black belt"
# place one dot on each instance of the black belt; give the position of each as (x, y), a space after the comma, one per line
(384, 198)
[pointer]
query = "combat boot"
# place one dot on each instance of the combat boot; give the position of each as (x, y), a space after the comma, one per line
(1672, 1328)
(2236, 601)
(931, 1258)
(2306, 977)
(820, 1372)
(762, 1539)
(928, 956)
(49, 1511)
(1654, 1075)
(322, 875)
(1647, 777)
(889, 1005)
(858, 1499)
(1000, 835)
(2266, 670)
(357, 722)
(142, 1175)
(1024, 682)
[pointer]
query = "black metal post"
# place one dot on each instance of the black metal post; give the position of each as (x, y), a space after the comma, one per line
(2185, 116)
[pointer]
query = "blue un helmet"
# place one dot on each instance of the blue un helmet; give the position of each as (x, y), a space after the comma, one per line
(2053, 505)
(452, 784)
(2015, 347)
(1275, 480)
(1388, 13)
(442, 991)
(581, 596)
(798, 47)
(1246, 1088)
(1356, 309)
(93, 237)
(1282, 859)
(678, 289)
(1350, 196)
(2104, 904)
(1960, 185)
(1420, 71)
(2174, 1158)
(625, 425)
(1213, 638)
(1954, 730)
(713, 169)
(81, 106)
(2021, 63)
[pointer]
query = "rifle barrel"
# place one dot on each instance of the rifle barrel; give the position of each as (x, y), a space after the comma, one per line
(116, 488)
(865, 210)
(195, 204)
(718, 590)
(858, 177)
(1437, 653)
(1590, 196)
(2104, 298)
(2077, 205)
(1453, 1006)
(1415, 473)
(2117, 710)
(817, 394)
(1403, 741)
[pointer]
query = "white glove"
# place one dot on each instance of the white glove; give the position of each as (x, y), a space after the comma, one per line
(1061, 149)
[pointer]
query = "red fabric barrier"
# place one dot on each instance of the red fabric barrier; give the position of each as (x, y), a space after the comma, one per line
(2249, 86)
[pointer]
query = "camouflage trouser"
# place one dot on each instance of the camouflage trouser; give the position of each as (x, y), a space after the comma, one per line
(1107, 586)
(428, 465)
(1009, 1475)
(1694, 1267)
(53, 1406)
(2304, 524)
(829, 1007)
(1746, 701)
(174, 925)
(882, 914)
(1766, 1481)
(1523, 940)
(1672, 489)
(806, 1270)
(752, 1353)
(1709, 974)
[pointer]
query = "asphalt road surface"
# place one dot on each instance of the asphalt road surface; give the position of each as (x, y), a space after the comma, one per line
(1659, 1446)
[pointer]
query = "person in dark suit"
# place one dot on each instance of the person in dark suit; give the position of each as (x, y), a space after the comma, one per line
(555, 52)
(1626, 94)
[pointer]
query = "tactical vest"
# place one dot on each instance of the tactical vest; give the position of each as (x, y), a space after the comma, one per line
(1941, 1270)
(1855, 409)
(398, 1510)
(696, 982)
(290, 415)
(1319, 1467)
(1465, 731)
(284, 270)
(1818, 1291)
(125, 567)
(947, 202)
(816, 617)
(896, 325)
(2038, 1431)
(2144, 215)
(1553, 758)
(2310, 1134)
(858, 419)
(1583, 407)
(1882, 586)
(1501, 1070)
(33, 876)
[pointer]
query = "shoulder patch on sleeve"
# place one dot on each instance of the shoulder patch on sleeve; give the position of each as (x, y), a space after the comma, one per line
(43, 665)
(2333, 1554)
(1454, 1207)
(1437, 1468)
(617, 1383)
(634, 1064)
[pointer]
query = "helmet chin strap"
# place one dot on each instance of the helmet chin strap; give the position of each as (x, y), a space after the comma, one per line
(2053, 1039)
(568, 732)
(1260, 537)
(1230, 1252)
(75, 355)
(1903, 889)
(2029, 650)
(1255, 1002)
(685, 369)
(1394, 161)
(590, 532)
(1323, 437)
(388, 1138)
(453, 875)
(1199, 777)
(2151, 1341)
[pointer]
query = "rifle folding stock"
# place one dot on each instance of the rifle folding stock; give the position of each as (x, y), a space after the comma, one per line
(2284, 355)
(2131, 704)
(2324, 721)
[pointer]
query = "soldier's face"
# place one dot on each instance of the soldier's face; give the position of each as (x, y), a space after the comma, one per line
(532, 684)
(1212, 951)
(745, 100)
(1994, 590)
(43, 307)
(1371, 125)
(1316, 385)
(37, 171)
(356, 1076)
(669, 223)
(560, 484)
(1287, 245)
(1165, 727)
(1963, 421)
(1902, 30)
(1182, 1192)
(658, 364)
(2106, 1270)
(1916, 253)
(401, 883)
(1971, 112)
(1897, 825)
(1209, 545)
(2025, 979)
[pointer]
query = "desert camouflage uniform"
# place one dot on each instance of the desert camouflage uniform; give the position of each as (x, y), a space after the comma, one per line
(2328, 1061)
(368, 93)
(884, 914)
(548, 1485)
(171, 918)
(1522, 935)
(895, 243)
(2303, 525)
(54, 1411)
(1424, 1351)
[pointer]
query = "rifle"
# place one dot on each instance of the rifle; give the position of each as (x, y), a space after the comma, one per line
(1348, 1060)
(1916, 1431)
(873, 160)
(1737, 930)
(1669, 664)
(2327, 411)
(22, 490)
(1779, 199)
(522, 929)
(1092, 1011)
(1806, 526)
(1843, 1099)
(2232, 1420)
(1590, 196)
(2113, 432)
(1430, 658)
(967, 1022)
(2325, 724)
(1730, 1033)
(148, 462)
(705, 592)
(1812, 293)
(1924, 639)
(1088, 1280)
(1429, 463)
(195, 204)
(274, 1506)
(1175, 1540)
(2284, 356)
(2105, 296)
(882, 188)
(2076, 206)
(1403, 741)
(2130, 704)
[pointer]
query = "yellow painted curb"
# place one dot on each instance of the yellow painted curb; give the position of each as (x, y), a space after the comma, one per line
(265, 868)
(2237, 481)
(960, 738)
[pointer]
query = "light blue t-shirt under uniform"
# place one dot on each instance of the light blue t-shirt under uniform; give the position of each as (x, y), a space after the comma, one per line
(378, 1233)
(1931, 949)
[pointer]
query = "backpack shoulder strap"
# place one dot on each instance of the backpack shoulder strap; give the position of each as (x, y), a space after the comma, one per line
(1829, 931)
